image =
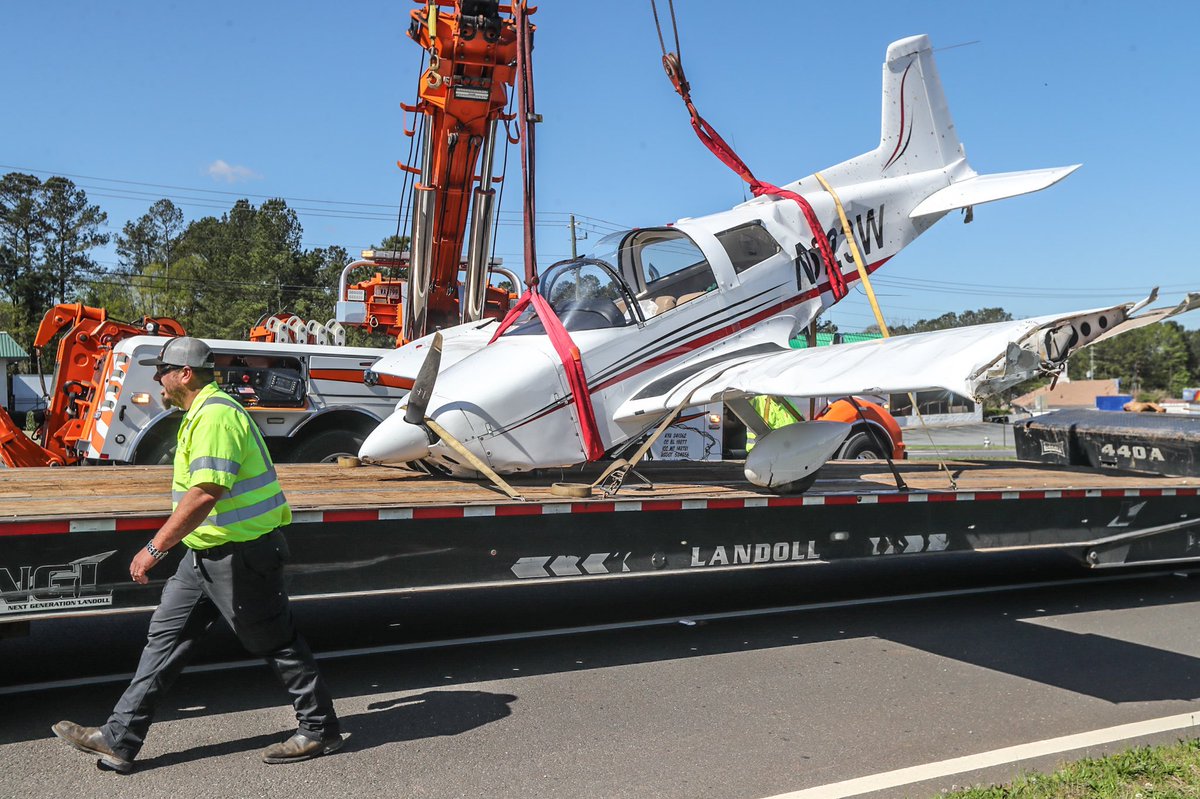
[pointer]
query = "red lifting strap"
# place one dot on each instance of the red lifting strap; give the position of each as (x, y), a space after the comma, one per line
(713, 141)
(571, 361)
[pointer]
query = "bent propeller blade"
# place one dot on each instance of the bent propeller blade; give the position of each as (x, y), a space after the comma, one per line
(422, 390)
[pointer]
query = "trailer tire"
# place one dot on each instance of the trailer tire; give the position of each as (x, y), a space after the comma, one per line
(862, 446)
(327, 446)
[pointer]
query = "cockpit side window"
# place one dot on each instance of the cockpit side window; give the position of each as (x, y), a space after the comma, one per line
(671, 270)
(748, 245)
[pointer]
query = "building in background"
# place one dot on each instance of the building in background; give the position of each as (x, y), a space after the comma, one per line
(10, 355)
(1074, 395)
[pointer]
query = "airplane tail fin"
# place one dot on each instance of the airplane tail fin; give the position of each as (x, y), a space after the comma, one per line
(917, 132)
(918, 135)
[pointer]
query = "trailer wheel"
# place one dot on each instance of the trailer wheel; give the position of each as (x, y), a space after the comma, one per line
(327, 446)
(862, 446)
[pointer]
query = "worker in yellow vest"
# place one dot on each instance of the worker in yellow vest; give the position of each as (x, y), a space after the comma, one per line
(776, 412)
(227, 508)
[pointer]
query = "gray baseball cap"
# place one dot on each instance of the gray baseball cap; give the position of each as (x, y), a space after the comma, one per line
(183, 351)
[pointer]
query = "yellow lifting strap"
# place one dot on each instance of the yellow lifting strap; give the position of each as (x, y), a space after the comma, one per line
(866, 282)
(856, 255)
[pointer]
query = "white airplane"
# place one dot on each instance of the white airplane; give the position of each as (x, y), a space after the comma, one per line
(665, 317)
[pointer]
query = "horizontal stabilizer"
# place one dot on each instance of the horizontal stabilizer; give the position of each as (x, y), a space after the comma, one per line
(986, 188)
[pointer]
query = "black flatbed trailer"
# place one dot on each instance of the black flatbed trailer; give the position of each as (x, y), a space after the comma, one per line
(67, 535)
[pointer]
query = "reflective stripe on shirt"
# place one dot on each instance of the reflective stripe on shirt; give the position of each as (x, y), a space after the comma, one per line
(240, 514)
(215, 464)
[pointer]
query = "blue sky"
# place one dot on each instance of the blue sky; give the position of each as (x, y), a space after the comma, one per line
(301, 100)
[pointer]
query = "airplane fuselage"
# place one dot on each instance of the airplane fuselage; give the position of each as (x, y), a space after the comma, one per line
(648, 309)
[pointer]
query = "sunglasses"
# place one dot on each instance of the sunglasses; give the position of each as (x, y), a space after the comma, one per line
(165, 369)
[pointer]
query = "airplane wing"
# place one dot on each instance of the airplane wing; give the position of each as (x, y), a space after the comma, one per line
(972, 361)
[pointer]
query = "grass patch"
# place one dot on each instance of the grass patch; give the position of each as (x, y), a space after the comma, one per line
(1144, 772)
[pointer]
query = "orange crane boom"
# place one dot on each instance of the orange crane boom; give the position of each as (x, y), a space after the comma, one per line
(472, 65)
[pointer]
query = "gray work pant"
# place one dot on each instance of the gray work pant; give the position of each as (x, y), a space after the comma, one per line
(243, 584)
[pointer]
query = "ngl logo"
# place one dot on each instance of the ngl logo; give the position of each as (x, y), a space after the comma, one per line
(53, 581)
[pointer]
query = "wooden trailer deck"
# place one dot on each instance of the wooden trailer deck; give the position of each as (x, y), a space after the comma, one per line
(139, 491)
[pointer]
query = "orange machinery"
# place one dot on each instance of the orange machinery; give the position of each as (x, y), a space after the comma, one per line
(78, 384)
(380, 299)
(472, 46)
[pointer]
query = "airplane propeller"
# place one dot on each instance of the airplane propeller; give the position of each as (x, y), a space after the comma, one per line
(418, 402)
(422, 390)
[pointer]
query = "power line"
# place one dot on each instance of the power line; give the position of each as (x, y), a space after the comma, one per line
(133, 194)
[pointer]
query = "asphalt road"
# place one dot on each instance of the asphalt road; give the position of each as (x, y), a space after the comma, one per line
(753, 706)
(972, 441)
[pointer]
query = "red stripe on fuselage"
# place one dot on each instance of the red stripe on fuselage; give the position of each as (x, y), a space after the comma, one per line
(724, 332)
(699, 342)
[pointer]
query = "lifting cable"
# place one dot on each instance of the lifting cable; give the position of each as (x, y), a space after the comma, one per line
(526, 119)
(673, 64)
(405, 191)
(568, 353)
(864, 275)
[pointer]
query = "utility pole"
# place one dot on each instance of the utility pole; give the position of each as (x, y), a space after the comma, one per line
(574, 254)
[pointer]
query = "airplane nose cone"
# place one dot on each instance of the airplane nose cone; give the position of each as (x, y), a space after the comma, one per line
(395, 441)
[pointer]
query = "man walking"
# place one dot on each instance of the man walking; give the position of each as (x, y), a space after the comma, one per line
(227, 508)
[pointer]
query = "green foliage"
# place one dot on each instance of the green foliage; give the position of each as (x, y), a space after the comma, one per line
(47, 233)
(151, 238)
(1193, 345)
(217, 275)
(951, 319)
(1151, 359)
(23, 231)
(73, 230)
(229, 272)
(1143, 772)
(393, 242)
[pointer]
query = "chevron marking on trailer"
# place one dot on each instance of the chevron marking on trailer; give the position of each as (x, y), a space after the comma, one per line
(566, 566)
(594, 563)
(525, 568)
(901, 544)
(569, 565)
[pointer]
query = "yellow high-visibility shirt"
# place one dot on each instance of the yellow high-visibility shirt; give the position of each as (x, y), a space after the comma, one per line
(775, 414)
(219, 443)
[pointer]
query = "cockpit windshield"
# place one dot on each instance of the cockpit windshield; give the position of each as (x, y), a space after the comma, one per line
(626, 278)
(585, 294)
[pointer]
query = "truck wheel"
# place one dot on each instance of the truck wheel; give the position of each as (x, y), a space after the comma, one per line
(861, 446)
(156, 452)
(327, 446)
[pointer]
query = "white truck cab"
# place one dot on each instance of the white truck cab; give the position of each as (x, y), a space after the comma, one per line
(310, 400)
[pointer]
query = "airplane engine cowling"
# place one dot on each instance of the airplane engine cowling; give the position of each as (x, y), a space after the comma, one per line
(787, 459)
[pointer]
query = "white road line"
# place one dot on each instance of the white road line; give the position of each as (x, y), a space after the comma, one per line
(595, 628)
(996, 757)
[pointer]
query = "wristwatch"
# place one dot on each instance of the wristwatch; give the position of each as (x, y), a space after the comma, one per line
(154, 551)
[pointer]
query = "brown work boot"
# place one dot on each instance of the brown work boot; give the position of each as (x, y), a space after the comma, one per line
(91, 740)
(301, 747)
